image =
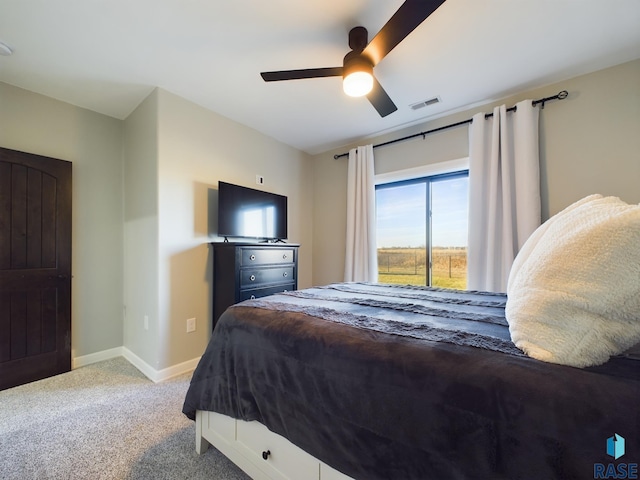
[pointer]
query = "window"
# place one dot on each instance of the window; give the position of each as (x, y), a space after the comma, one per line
(422, 230)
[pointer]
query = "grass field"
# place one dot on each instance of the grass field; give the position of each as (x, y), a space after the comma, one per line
(407, 266)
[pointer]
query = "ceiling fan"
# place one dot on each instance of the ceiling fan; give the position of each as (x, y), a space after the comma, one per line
(357, 66)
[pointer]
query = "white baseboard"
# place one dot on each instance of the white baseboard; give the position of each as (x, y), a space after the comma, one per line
(150, 372)
(85, 360)
(159, 375)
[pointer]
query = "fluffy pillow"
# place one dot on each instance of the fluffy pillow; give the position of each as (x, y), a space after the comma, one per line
(574, 288)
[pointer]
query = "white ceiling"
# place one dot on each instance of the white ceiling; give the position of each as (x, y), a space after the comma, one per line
(108, 55)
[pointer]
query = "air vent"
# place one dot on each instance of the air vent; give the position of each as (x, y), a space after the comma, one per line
(425, 103)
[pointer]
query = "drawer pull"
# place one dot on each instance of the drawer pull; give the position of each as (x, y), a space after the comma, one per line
(284, 256)
(253, 297)
(252, 257)
(266, 454)
(252, 278)
(285, 274)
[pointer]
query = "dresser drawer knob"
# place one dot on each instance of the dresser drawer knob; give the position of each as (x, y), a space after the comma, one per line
(285, 274)
(252, 278)
(284, 256)
(266, 454)
(252, 257)
(252, 297)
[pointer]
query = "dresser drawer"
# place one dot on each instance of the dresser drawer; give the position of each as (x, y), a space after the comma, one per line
(253, 277)
(263, 292)
(266, 256)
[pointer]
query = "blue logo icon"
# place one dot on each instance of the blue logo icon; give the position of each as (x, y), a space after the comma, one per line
(615, 446)
(615, 449)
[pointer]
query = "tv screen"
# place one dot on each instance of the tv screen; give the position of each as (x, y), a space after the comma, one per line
(249, 213)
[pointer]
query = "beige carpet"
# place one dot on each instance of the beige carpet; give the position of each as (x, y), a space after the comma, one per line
(103, 421)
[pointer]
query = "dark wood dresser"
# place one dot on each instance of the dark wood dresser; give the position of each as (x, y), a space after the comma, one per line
(250, 270)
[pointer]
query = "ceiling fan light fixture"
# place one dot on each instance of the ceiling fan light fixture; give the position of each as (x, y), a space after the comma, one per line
(357, 84)
(357, 75)
(364, 55)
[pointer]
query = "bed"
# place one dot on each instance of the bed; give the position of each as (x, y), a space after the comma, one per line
(374, 381)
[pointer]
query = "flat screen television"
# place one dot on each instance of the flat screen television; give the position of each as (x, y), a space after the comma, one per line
(248, 213)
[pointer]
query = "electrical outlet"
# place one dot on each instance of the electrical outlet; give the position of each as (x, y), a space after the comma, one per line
(146, 322)
(259, 179)
(191, 325)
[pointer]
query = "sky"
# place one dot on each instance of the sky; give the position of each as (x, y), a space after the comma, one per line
(401, 218)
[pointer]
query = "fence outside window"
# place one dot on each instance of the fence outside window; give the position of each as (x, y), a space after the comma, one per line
(409, 266)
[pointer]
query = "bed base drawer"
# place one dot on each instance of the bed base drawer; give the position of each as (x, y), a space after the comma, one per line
(260, 453)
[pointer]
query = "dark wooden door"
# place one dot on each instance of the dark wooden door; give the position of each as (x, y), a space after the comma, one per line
(35, 267)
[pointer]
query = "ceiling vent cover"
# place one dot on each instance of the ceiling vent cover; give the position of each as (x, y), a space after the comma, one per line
(425, 103)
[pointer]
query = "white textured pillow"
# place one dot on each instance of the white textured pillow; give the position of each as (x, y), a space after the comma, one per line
(574, 288)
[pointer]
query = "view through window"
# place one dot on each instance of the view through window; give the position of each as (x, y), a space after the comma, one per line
(422, 231)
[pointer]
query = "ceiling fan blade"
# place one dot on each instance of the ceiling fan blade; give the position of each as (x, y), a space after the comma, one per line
(381, 100)
(301, 74)
(410, 14)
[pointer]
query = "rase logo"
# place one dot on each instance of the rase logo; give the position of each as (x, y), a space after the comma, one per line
(615, 449)
(615, 446)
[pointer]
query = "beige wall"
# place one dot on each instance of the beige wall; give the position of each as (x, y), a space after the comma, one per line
(93, 143)
(140, 282)
(196, 149)
(589, 143)
(144, 192)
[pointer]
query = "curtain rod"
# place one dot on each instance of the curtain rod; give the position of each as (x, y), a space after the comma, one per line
(560, 96)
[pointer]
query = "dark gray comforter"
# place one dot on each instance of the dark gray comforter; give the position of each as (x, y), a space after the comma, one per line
(389, 382)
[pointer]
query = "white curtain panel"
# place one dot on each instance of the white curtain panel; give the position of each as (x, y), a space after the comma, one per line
(361, 261)
(504, 192)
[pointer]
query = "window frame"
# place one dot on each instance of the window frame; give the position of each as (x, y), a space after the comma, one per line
(425, 174)
(449, 166)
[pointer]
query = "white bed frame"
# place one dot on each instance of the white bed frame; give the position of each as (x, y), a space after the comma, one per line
(260, 453)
